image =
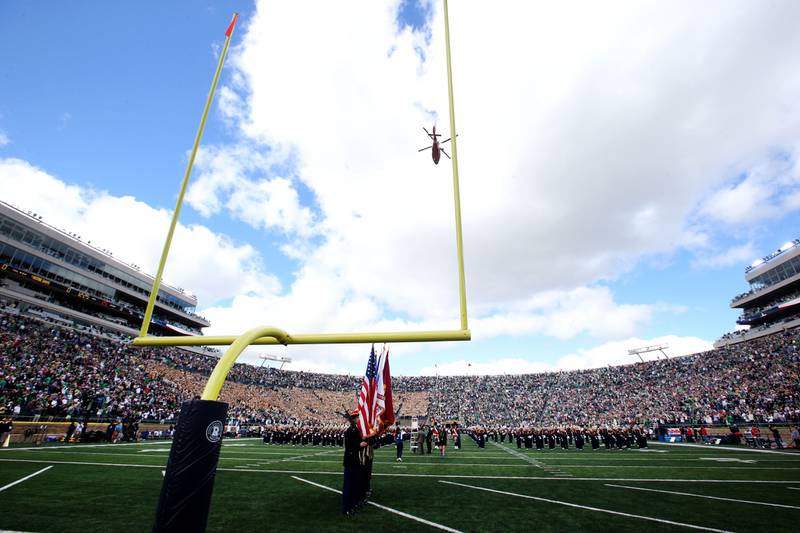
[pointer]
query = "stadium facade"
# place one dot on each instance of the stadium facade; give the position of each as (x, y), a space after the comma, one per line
(773, 302)
(54, 275)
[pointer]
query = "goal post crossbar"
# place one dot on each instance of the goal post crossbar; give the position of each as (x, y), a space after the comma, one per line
(311, 338)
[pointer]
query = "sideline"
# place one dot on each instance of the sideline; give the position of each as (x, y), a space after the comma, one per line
(704, 496)
(379, 506)
(725, 448)
(438, 476)
(25, 478)
(596, 509)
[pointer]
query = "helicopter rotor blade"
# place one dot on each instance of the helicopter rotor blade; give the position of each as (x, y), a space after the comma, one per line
(426, 148)
(426, 131)
(444, 141)
(445, 153)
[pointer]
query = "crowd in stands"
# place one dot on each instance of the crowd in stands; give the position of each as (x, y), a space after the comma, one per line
(50, 370)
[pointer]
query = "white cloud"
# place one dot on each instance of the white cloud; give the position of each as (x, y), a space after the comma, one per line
(494, 367)
(611, 353)
(585, 143)
(263, 203)
(616, 353)
(736, 255)
(566, 314)
(770, 190)
(134, 232)
(4, 140)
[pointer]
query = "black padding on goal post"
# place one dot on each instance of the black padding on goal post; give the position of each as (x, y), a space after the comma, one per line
(189, 480)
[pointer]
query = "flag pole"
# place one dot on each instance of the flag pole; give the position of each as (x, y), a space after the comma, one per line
(148, 314)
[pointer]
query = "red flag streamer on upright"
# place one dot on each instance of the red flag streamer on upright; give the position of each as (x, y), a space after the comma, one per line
(385, 405)
(229, 31)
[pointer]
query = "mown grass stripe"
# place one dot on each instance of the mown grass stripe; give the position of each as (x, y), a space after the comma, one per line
(385, 508)
(588, 508)
(17, 482)
(703, 496)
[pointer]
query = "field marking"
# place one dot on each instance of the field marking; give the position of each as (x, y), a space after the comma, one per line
(728, 460)
(520, 455)
(74, 446)
(596, 509)
(25, 478)
(686, 467)
(379, 506)
(718, 448)
(438, 476)
(298, 458)
(793, 488)
(703, 496)
(551, 469)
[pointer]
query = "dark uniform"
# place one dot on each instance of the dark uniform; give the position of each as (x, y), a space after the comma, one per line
(351, 489)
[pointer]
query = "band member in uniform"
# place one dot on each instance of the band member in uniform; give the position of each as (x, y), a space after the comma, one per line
(398, 442)
(442, 441)
(428, 438)
(366, 456)
(351, 489)
(579, 439)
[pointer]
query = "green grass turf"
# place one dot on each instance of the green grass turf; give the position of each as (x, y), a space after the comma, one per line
(115, 488)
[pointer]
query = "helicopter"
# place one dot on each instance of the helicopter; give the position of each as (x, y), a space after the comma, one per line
(436, 148)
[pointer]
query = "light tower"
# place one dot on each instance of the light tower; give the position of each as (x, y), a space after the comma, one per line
(647, 349)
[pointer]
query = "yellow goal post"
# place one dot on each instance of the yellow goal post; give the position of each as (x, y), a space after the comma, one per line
(272, 335)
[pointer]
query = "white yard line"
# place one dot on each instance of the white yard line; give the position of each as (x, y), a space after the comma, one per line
(722, 448)
(793, 488)
(703, 496)
(553, 469)
(76, 446)
(438, 476)
(25, 478)
(596, 509)
(684, 467)
(379, 506)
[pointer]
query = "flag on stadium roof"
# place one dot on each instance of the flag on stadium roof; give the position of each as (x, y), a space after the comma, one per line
(367, 398)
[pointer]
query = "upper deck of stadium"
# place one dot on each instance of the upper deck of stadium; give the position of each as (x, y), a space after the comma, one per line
(55, 270)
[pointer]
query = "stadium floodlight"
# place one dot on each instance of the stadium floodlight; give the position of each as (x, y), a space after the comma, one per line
(272, 335)
(757, 262)
(786, 246)
(279, 358)
(648, 349)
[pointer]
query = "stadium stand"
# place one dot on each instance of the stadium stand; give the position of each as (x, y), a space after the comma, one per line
(50, 370)
(773, 302)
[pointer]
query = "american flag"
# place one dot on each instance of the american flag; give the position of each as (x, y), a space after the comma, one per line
(367, 398)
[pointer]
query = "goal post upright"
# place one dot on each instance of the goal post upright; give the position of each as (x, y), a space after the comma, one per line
(151, 302)
(462, 285)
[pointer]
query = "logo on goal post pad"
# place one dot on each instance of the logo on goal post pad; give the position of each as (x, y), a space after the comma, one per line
(214, 431)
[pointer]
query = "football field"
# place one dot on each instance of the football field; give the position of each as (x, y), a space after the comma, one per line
(259, 487)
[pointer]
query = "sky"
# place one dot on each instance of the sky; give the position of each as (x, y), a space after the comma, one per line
(620, 165)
